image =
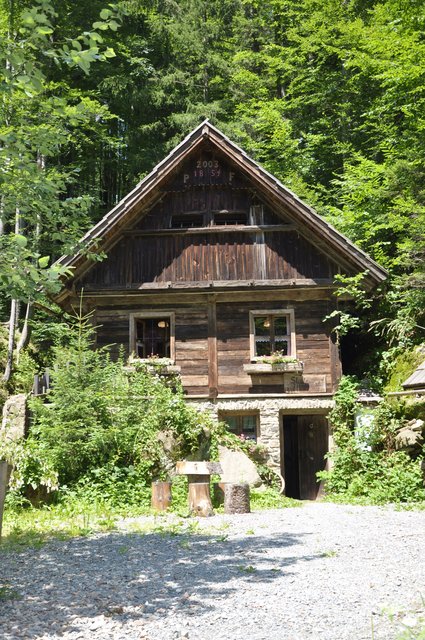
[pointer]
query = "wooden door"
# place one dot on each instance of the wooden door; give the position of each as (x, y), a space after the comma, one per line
(304, 444)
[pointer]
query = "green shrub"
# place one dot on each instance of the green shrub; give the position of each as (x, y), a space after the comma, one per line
(370, 469)
(100, 429)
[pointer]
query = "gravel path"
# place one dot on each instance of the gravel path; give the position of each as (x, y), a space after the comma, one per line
(321, 571)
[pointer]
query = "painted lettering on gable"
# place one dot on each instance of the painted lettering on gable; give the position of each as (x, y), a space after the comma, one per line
(207, 171)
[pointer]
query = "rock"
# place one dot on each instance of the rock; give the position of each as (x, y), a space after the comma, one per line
(15, 418)
(409, 440)
(416, 425)
(237, 468)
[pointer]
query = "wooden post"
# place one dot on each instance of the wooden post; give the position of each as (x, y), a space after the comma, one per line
(199, 475)
(200, 499)
(161, 496)
(236, 498)
(5, 470)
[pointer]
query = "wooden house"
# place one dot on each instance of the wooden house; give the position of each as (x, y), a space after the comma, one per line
(216, 266)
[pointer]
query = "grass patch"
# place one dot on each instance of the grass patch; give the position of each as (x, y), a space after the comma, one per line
(7, 593)
(271, 499)
(410, 624)
(364, 501)
(79, 515)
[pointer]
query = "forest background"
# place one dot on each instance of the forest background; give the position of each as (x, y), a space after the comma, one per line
(329, 96)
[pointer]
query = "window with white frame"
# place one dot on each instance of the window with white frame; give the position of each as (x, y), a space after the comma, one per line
(272, 331)
(152, 335)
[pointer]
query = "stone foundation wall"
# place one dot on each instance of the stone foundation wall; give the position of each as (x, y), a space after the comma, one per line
(269, 409)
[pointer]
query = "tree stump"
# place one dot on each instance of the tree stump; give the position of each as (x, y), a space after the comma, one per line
(236, 498)
(5, 471)
(161, 496)
(200, 499)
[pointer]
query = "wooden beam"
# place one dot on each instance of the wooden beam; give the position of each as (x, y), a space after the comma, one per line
(131, 300)
(212, 348)
(240, 228)
(207, 285)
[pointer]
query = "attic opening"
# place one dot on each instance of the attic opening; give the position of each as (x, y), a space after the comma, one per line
(207, 218)
(229, 218)
(187, 221)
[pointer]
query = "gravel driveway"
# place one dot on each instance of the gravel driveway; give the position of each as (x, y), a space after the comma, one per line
(321, 571)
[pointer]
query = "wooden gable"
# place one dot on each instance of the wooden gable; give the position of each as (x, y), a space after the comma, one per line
(209, 216)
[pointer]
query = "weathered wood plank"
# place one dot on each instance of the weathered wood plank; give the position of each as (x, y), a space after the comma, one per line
(212, 349)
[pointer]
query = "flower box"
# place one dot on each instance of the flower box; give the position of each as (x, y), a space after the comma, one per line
(259, 368)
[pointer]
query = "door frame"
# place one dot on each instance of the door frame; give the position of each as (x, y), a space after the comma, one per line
(329, 435)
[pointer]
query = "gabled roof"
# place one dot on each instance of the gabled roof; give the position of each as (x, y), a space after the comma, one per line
(104, 234)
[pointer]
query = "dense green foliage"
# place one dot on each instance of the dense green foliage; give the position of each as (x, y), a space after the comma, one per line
(107, 429)
(365, 463)
(329, 96)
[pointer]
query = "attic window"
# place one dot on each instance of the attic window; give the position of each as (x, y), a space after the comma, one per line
(187, 221)
(230, 217)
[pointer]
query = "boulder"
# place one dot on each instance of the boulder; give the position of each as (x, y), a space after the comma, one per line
(237, 468)
(15, 418)
(416, 425)
(409, 440)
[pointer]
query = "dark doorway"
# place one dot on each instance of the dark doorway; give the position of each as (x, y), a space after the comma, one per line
(304, 443)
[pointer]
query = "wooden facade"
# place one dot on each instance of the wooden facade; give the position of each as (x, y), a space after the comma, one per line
(213, 264)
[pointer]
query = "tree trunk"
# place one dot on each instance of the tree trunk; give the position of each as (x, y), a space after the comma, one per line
(161, 496)
(26, 330)
(14, 311)
(13, 320)
(200, 499)
(236, 498)
(5, 470)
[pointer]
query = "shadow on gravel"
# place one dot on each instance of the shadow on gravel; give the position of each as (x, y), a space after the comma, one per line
(129, 576)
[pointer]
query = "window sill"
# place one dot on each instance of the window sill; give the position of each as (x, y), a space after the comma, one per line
(277, 367)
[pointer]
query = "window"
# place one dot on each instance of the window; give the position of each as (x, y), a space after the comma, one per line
(187, 221)
(229, 217)
(243, 425)
(152, 334)
(272, 331)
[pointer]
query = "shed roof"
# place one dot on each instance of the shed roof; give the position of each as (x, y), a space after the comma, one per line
(417, 379)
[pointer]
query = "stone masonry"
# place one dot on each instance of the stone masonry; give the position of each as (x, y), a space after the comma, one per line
(270, 410)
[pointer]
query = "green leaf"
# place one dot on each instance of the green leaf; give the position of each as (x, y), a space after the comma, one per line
(100, 25)
(43, 262)
(21, 241)
(44, 31)
(105, 14)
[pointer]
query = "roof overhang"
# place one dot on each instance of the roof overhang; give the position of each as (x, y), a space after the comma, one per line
(107, 231)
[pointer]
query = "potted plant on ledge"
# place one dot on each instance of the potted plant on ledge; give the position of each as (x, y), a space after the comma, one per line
(276, 362)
